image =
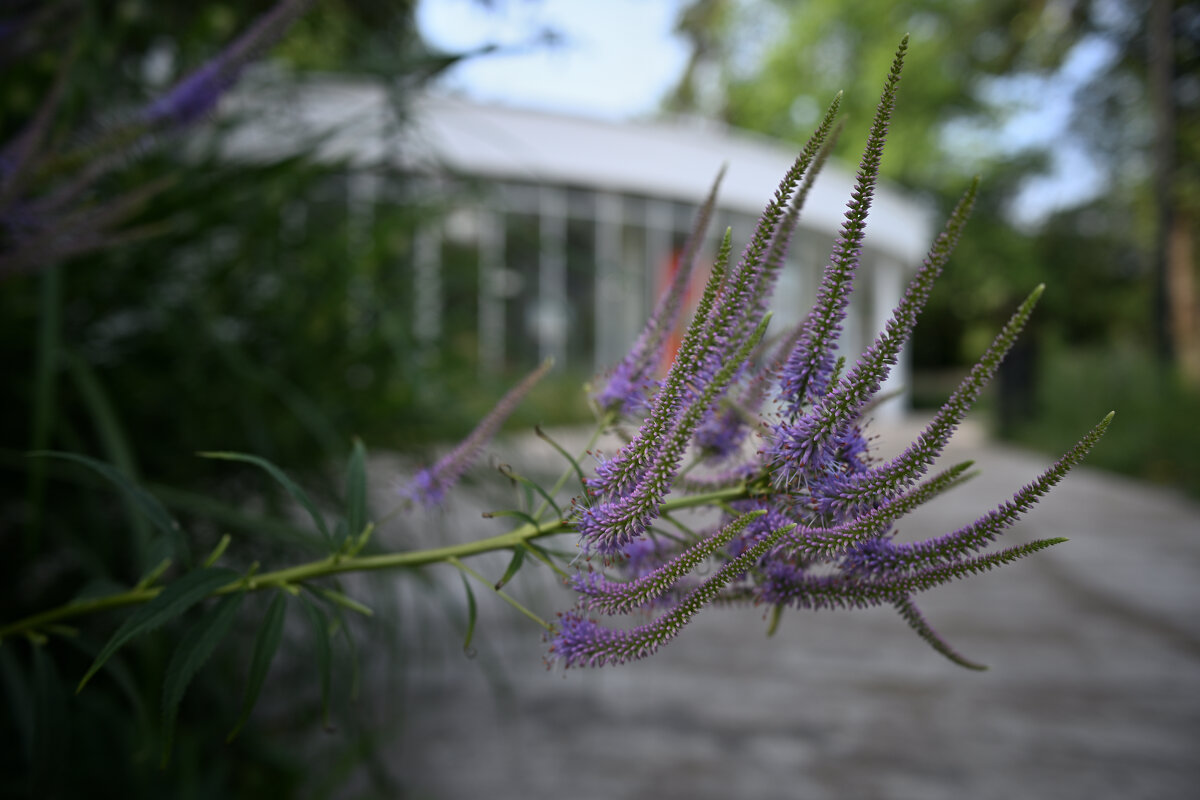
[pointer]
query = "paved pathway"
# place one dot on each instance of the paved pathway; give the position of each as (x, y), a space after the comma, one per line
(1093, 691)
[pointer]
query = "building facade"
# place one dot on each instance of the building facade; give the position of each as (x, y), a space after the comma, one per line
(555, 234)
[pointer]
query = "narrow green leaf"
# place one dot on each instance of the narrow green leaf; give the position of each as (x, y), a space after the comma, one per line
(320, 626)
(361, 540)
(287, 483)
(565, 555)
(518, 557)
(510, 513)
(530, 487)
(356, 490)
(259, 527)
(18, 700)
(65, 631)
(147, 503)
(570, 459)
(465, 570)
(218, 551)
(776, 615)
(122, 678)
(195, 649)
(341, 600)
(113, 439)
(49, 723)
(472, 613)
(543, 555)
(151, 577)
(344, 628)
(355, 671)
(176, 598)
(265, 645)
(104, 416)
(45, 390)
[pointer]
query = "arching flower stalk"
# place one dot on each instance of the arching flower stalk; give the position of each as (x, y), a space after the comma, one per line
(807, 519)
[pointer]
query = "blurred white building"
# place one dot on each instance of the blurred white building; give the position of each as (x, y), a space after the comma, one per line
(572, 225)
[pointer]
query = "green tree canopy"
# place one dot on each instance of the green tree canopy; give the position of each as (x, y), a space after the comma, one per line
(982, 78)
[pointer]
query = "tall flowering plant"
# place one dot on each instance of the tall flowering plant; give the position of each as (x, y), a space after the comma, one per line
(769, 438)
(807, 516)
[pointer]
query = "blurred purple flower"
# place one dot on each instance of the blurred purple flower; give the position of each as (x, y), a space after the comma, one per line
(429, 486)
(196, 94)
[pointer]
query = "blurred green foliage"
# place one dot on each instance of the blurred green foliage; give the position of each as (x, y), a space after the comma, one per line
(1158, 438)
(260, 316)
(777, 64)
(976, 71)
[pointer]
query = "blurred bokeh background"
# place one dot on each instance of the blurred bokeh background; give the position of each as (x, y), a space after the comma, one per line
(1080, 117)
(320, 258)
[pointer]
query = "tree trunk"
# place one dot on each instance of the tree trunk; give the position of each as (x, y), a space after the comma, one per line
(1182, 300)
(1161, 67)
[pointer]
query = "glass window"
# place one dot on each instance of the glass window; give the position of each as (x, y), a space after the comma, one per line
(517, 285)
(581, 293)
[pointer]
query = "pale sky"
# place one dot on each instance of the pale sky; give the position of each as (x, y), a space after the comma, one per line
(618, 58)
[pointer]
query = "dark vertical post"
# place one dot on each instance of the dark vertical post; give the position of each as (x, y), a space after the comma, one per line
(1161, 68)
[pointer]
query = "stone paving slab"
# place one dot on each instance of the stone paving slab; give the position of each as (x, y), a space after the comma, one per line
(1093, 691)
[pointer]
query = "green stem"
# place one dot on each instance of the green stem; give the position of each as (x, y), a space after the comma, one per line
(537, 553)
(338, 564)
(504, 595)
(608, 420)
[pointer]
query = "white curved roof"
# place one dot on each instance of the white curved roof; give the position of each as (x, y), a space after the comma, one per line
(668, 159)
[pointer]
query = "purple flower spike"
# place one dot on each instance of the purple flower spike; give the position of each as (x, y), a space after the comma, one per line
(802, 440)
(426, 489)
(731, 311)
(620, 473)
(579, 641)
(429, 486)
(974, 537)
(609, 528)
(599, 593)
(794, 587)
(809, 367)
(642, 557)
(193, 98)
(811, 517)
(722, 435)
(196, 95)
(888, 479)
(629, 387)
